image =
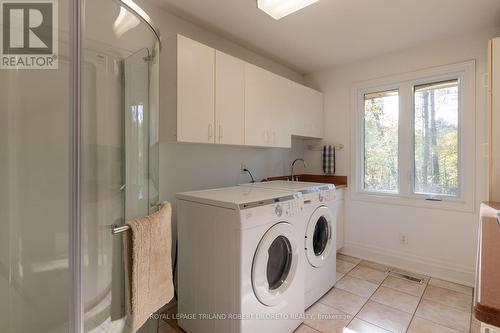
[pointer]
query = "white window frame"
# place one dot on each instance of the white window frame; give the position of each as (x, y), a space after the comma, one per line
(465, 72)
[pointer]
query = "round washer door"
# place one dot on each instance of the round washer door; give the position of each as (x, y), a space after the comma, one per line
(275, 264)
(319, 238)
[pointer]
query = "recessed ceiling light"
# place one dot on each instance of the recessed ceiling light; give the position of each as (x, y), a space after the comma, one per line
(281, 8)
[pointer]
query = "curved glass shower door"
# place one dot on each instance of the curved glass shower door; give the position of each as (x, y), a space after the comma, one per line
(120, 144)
(41, 201)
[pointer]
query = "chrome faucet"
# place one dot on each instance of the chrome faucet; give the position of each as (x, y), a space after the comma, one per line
(293, 164)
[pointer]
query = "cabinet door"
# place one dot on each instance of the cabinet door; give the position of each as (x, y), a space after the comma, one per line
(295, 104)
(281, 112)
(307, 111)
(494, 115)
(314, 104)
(258, 106)
(195, 91)
(229, 99)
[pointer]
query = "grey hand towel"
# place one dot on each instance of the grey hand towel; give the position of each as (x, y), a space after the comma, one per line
(329, 159)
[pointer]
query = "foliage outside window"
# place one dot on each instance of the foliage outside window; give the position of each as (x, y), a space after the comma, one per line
(381, 141)
(436, 138)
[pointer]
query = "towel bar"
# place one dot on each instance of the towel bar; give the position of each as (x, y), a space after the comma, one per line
(320, 147)
(117, 229)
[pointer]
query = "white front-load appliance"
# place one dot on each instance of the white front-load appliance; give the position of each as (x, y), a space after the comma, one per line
(319, 231)
(240, 264)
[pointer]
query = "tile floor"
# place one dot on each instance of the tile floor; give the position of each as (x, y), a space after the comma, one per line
(368, 300)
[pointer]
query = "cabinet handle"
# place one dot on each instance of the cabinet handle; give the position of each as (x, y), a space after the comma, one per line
(274, 137)
(221, 133)
(210, 132)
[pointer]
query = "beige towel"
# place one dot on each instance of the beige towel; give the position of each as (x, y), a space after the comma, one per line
(148, 264)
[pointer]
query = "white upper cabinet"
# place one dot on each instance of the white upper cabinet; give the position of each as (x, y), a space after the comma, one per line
(315, 113)
(267, 111)
(307, 111)
(281, 113)
(258, 106)
(223, 100)
(195, 91)
(229, 99)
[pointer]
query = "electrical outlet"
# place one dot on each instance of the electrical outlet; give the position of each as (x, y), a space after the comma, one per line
(242, 168)
(403, 238)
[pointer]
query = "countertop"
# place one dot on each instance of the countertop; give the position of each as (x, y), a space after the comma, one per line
(338, 181)
(487, 293)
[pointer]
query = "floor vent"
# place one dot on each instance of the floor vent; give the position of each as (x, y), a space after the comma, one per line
(405, 276)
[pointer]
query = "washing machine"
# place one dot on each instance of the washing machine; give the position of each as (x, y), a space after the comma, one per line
(240, 262)
(319, 230)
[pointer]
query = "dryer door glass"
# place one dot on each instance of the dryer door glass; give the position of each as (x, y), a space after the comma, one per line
(321, 236)
(279, 262)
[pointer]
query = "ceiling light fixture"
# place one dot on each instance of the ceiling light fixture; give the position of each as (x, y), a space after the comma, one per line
(281, 8)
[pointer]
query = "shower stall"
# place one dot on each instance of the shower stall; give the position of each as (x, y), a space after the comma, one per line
(78, 155)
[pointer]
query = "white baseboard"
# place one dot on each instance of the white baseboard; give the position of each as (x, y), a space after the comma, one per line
(413, 263)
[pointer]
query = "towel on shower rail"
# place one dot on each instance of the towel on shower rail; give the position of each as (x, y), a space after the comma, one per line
(148, 264)
(329, 159)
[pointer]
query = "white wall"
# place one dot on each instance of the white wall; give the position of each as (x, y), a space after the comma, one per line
(186, 167)
(440, 243)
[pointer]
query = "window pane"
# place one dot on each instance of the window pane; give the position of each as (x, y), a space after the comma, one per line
(436, 138)
(381, 141)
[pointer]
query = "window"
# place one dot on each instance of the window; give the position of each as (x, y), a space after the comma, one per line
(415, 136)
(381, 141)
(436, 138)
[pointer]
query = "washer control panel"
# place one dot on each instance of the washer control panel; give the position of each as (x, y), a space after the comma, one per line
(289, 208)
(279, 210)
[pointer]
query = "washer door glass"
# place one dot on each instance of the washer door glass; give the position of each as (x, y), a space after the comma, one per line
(320, 236)
(279, 262)
(275, 264)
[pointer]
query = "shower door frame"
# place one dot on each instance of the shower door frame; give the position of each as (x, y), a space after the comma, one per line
(75, 223)
(76, 15)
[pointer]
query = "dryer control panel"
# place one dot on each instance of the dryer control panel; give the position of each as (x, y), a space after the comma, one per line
(326, 195)
(322, 196)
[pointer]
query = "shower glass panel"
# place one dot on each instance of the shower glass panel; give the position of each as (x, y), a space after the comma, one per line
(38, 154)
(120, 159)
(136, 134)
(35, 196)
